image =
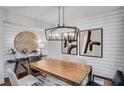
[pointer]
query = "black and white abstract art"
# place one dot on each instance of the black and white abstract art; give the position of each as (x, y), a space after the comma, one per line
(90, 42)
(69, 43)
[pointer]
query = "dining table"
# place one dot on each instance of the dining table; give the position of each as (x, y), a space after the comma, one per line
(68, 71)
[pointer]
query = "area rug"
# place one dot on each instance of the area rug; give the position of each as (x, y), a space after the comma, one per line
(49, 81)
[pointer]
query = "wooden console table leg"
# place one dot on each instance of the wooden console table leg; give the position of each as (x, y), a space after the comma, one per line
(29, 70)
(16, 66)
(28, 67)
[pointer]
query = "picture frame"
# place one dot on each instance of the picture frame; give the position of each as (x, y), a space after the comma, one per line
(69, 46)
(91, 42)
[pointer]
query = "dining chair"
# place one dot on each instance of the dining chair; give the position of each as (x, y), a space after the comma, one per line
(26, 81)
(118, 80)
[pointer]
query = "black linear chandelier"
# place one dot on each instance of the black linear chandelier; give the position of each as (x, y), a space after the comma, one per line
(55, 33)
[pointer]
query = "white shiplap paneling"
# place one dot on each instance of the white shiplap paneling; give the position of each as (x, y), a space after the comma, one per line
(1, 53)
(9, 33)
(113, 43)
(12, 24)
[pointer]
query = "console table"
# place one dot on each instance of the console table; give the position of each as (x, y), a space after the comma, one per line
(20, 62)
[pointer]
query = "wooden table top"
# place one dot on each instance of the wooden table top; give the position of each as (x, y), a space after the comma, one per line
(67, 70)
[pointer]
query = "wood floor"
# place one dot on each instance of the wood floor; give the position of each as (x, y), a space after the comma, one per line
(7, 82)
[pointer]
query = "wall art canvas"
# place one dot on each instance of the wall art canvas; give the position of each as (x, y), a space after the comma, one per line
(91, 42)
(69, 43)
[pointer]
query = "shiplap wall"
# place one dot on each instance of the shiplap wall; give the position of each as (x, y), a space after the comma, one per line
(113, 43)
(14, 23)
(1, 51)
(9, 34)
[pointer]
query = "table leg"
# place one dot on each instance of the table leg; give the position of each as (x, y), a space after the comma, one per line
(90, 75)
(42, 74)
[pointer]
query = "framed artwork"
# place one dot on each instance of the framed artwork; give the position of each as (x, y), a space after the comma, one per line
(91, 43)
(70, 43)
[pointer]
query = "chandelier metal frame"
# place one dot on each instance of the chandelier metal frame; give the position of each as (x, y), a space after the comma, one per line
(51, 30)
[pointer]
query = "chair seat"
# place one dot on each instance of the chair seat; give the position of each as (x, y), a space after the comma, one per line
(28, 80)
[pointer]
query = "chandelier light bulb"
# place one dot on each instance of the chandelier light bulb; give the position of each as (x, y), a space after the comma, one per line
(65, 34)
(70, 34)
(50, 34)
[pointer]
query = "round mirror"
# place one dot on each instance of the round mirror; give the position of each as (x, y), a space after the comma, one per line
(26, 42)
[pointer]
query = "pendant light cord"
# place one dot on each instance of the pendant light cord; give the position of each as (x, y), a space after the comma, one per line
(63, 16)
(55, 36)
(58, 16)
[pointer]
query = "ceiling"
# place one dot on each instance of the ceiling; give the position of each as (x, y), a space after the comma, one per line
(49, 14)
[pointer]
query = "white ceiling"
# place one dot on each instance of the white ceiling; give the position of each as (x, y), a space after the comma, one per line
(49, 14)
